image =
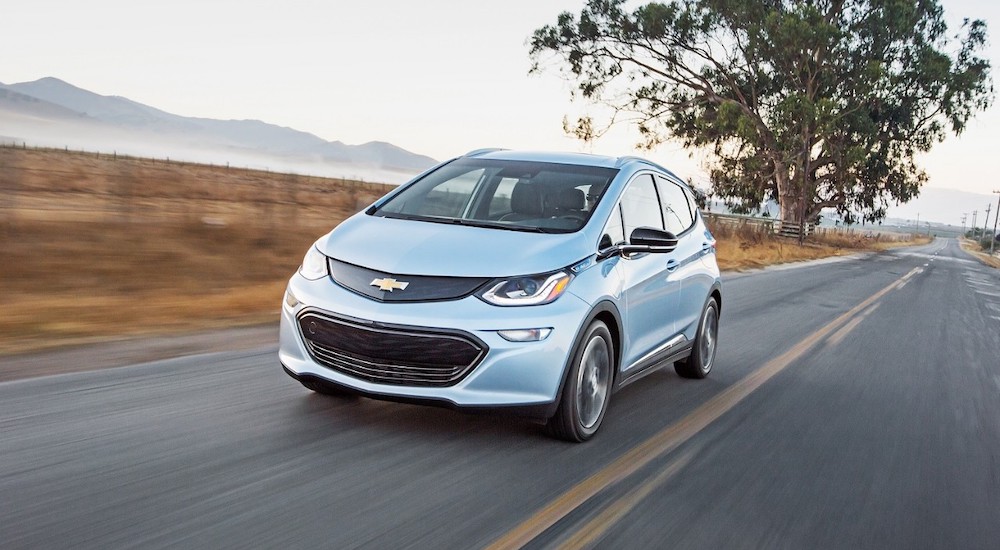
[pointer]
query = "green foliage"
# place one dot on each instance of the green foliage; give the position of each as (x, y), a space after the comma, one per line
(815, 104)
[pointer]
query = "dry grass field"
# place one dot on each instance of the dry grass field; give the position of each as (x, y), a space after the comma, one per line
(749, 247)
(97, 247)
(973, 248)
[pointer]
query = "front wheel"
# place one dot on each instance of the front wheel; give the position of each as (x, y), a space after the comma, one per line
(587, 390)
(699, 363)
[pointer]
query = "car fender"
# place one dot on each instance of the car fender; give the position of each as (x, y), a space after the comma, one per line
(605, 309)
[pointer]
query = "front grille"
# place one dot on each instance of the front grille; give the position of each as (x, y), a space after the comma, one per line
(419, 288)
(388, 354)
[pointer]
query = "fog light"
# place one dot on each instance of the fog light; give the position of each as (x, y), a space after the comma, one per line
(525, 334)
(290, 300)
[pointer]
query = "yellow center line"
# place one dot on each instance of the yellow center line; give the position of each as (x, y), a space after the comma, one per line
(598, 526)
(677, 433)
(842, 333)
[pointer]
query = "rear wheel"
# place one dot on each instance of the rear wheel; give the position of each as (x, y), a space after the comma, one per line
(587, 390)
(702, 357)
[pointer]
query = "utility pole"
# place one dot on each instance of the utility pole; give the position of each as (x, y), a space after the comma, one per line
(993, 241)
(974, 212)
(963, 223)
(918, 222)
(986, 221)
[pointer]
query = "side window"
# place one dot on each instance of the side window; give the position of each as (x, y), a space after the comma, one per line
(614, 230)
(640, 207)
(676, 206)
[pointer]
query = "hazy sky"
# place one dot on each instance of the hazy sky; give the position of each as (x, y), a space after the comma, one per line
(437, 78)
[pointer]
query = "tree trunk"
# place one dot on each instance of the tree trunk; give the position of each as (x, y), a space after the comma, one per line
(788, 200)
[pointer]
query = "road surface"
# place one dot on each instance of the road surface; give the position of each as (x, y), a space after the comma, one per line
(854, 404)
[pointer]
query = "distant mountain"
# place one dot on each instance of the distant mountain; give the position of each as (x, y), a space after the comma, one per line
(15, 101)
(51, 112)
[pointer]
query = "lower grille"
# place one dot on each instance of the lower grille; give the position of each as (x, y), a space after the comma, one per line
(386, 354)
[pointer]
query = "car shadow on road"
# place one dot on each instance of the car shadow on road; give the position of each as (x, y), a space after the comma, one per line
(390, 419)
(641, 408)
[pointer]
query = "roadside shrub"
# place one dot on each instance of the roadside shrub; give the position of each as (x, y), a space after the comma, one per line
(747, 234)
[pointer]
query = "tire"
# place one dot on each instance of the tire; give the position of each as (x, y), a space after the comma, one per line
(587, 390)
(702, 357)
(325, 389)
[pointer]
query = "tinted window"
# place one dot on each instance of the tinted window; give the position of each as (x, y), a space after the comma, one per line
(521, 195)
(677, 213)
(640, 207)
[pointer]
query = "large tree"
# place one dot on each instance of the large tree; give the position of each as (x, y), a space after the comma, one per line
(814, 104)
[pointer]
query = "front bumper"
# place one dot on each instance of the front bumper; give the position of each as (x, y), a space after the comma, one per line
(520, 375)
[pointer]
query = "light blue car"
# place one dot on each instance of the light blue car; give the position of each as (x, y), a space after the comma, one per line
(531, 282)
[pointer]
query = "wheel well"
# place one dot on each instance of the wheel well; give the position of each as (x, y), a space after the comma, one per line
(616, 339)
(718, 299)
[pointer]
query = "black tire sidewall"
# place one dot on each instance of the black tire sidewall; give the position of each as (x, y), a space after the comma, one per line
(699, 361)
(694, 365)
(597, 329)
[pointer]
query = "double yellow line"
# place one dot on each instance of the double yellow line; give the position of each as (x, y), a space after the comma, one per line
(669, 439)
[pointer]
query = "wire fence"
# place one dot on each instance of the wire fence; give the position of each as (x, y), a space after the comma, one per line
(65, 185)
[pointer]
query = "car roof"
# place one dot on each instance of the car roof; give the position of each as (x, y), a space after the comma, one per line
(582, 159)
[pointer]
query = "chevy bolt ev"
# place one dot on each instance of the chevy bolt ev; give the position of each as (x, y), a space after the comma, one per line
(535, 282)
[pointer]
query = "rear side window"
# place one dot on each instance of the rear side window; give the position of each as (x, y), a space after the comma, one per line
(677, 214)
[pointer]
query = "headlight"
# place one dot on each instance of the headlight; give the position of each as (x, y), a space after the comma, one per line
(531, 290)
(314, 265)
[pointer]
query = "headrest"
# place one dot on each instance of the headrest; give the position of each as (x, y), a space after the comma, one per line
(526, 198)
(571, 199)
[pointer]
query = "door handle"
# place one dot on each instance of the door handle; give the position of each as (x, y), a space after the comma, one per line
(672, 266)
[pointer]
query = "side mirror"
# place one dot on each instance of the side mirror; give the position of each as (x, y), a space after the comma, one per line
(643, 240)
(657, 240)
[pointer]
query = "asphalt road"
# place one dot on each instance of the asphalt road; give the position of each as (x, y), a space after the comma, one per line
(854, 404)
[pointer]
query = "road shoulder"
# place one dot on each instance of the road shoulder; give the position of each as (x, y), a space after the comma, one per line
(132, 351)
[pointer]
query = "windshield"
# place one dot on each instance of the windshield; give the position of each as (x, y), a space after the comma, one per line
(515, 195)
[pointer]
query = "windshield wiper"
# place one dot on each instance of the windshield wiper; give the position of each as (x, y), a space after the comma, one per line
(498, 225)
(413, 217)
(467, 222)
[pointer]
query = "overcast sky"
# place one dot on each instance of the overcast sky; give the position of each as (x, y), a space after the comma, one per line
(435, 77)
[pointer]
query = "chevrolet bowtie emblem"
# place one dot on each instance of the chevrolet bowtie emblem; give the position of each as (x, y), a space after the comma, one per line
(390, 284)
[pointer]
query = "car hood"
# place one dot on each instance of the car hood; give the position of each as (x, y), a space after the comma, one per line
(407, 247)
